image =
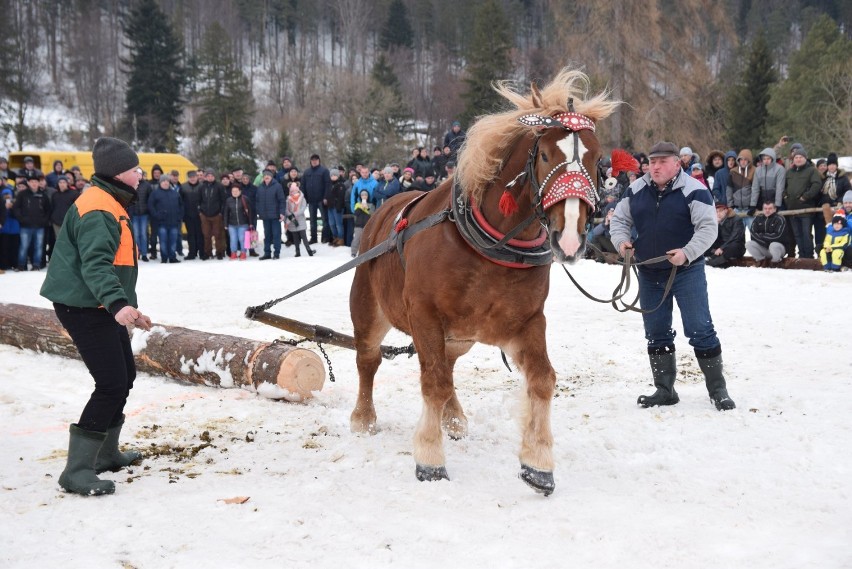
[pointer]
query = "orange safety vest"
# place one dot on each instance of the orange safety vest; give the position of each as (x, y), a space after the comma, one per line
(96, 199)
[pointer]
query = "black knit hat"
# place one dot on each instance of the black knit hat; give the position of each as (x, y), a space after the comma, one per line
(113, 156)
(832, 158)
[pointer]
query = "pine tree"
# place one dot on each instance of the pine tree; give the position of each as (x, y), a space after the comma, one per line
(397, 30)
(799, 106)
(747, 112)
(386, 120)
(488, 60)
(223, 128)
(156, 77)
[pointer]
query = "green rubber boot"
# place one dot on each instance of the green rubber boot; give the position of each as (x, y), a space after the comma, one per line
(664, 370)
(79, 475)
(112, 459)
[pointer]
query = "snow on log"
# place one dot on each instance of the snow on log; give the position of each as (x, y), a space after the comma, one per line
(277, 371)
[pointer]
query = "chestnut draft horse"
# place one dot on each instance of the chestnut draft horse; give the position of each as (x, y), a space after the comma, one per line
(529, 174)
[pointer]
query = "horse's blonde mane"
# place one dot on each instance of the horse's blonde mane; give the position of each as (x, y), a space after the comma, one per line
(490, 140)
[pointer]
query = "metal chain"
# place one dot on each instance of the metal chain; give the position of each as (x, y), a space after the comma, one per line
(327, 361)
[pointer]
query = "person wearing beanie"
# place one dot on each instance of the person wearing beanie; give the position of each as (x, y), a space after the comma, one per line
(91, 281)
(838, 236)
(673, 218)
(687, 159)
(803, 184)
(730, 243)
(835, 185)
(336, 200)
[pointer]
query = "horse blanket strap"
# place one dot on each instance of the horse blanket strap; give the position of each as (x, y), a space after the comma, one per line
(399, 234)
(504, 250)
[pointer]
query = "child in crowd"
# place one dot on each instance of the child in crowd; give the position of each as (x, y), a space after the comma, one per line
(296, 224)
(363, 210)
(837, 237)
(238, 217)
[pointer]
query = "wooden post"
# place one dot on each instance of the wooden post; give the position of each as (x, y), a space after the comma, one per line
(275, 370)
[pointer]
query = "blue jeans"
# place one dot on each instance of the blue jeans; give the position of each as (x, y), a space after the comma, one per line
(271, 236)
(237, 234)
(335, 221)
(140, 232)
(802, 226)
(168, 235)
(690, 291)
(31, 236)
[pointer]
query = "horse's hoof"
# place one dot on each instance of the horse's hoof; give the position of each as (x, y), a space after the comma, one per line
(431, 473)
(539, 480)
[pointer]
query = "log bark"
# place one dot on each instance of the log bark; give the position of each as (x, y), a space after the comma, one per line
(275, 370)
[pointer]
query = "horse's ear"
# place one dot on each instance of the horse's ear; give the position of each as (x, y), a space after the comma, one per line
(537, 101)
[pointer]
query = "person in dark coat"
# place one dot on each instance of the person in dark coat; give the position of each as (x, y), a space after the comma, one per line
(138, 211)
(190, 194)
(61, 202)
(336, 200)
(53, 177)
(211, 203)
(166, 209)
(32, 210)
(730, 244)
(454, 139)
(239, 218)
(316, 183)
(270, 210)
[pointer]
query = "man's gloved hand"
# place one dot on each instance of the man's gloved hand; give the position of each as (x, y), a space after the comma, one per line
(751, 211)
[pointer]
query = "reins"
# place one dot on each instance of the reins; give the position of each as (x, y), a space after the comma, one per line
(628, 265)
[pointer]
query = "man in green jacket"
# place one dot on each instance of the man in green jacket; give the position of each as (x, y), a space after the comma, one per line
(803, 184)
(91, 280)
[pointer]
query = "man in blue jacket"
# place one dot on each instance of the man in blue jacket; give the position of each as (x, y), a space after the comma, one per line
(316, 183)
(674, 217)
(270, 206)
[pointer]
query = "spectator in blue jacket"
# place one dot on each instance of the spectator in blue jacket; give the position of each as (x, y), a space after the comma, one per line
(387, 187)
(365, 182)
(721, 178)
(270, 206)
(165, 207)
(675, 219)
(316, 183)
(10, 232)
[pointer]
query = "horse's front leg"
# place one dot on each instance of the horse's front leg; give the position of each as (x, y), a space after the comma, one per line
(436, 386)
(530, 354)
(454, 420)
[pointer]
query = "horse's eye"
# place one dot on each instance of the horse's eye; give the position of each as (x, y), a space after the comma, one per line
(544, 156)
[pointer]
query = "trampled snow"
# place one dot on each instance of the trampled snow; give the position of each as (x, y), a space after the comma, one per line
(763, 486)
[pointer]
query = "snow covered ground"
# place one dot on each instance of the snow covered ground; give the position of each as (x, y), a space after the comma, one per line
(764, 486)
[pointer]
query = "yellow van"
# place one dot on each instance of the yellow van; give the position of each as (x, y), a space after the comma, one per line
(44, 160)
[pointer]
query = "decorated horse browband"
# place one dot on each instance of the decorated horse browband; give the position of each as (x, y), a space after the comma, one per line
(572, 121)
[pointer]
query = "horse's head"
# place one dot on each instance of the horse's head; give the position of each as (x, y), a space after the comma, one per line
(565, 179)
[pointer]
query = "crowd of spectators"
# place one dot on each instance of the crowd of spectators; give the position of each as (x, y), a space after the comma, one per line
(210, 215)
(785, 203)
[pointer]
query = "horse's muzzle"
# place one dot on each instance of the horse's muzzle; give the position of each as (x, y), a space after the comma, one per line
(567, 248)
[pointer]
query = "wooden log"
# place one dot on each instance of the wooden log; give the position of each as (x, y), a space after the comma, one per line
(322, 334)
(275, 370)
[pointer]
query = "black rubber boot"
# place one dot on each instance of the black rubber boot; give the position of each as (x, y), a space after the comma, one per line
(110, 458)
(715, 380)
(664, 370)
(79, 474)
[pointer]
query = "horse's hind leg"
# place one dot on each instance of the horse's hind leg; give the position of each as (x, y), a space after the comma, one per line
(530, 354)
(370, 326)
(453, 419)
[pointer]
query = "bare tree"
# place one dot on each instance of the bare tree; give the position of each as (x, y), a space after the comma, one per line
(26, 82)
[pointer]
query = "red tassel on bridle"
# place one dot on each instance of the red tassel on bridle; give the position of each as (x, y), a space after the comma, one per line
(623, 161)
(508, 205)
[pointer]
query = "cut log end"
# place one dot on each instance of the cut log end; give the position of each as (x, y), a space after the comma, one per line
(301, 373)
